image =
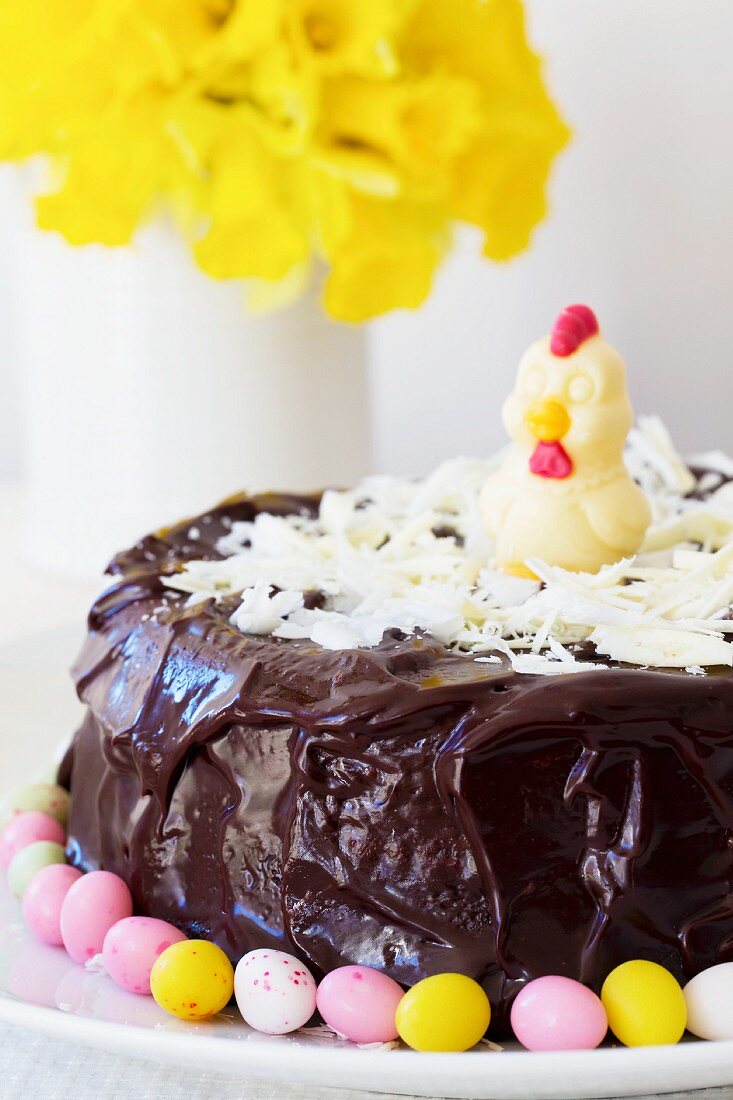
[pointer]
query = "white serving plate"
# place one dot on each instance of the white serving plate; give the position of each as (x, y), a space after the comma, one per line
(40, 988)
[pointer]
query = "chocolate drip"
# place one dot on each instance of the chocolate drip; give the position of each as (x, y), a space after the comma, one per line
(403, 807)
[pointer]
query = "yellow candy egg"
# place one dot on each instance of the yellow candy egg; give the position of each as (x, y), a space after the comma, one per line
(444, 1012)
(192, 979)
(644, 1004)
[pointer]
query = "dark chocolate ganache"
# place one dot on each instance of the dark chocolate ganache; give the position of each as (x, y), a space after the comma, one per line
(403, 807)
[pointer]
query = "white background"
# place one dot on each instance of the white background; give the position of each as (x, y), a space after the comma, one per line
(640, 227)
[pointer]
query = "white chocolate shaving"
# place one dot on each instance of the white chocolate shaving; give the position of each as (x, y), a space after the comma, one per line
(413, 556)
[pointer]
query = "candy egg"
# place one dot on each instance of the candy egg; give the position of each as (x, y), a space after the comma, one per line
(444, 1012)
(46, 797)
(192, 979)
(556, 1013)
(43, 899)
(26, 864)
(709, 999)
(360, 1003)
(26, 828)
(131, 947)
(644, 1004)
(275, 992)
(93, 904)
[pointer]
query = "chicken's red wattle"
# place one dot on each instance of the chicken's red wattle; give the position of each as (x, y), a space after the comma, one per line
(551, 460)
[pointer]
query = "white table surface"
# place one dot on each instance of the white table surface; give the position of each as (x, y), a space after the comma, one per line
(50, 612)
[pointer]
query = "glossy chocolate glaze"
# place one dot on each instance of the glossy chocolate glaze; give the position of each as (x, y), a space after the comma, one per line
(402, 807)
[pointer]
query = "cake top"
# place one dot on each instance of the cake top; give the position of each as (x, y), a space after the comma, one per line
(393, 553)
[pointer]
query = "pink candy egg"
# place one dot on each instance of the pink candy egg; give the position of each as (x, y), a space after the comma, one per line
(274, 991)
(556, 1013)
(131, 947)
(27, 828)
(43, 899)
(93, 904)
(360, 1003)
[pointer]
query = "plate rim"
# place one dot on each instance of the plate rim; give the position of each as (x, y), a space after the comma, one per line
(709, 1062)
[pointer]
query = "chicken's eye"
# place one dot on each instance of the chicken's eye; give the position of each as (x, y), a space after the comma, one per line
(533, 382)
(581, 389)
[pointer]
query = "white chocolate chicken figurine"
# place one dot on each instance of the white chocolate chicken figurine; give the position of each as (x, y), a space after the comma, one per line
(564, 494)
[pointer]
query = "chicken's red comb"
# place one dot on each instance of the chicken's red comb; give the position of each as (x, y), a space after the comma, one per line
(573, 326)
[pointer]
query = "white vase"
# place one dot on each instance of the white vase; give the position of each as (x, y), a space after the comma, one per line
(150, 394)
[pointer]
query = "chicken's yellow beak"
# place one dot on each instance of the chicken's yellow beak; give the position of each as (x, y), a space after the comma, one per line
(548, 421)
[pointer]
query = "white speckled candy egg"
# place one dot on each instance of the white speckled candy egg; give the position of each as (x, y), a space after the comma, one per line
(275, 992)
(709, 997)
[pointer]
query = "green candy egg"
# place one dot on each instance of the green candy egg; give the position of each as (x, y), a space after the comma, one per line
(46, 797)
(26, 863)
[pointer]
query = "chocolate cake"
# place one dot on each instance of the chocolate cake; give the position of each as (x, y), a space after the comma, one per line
(481, 722)
(438, 799)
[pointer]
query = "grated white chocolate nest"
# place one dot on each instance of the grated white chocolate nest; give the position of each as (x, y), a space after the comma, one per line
(412, 555)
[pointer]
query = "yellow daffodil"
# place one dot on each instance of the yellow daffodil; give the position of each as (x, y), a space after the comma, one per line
(347, 35)
(279, 130)
(114, 178)
(382, 254)
(499, 183)
(408, 132)
(255, 228)
(246, 27)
